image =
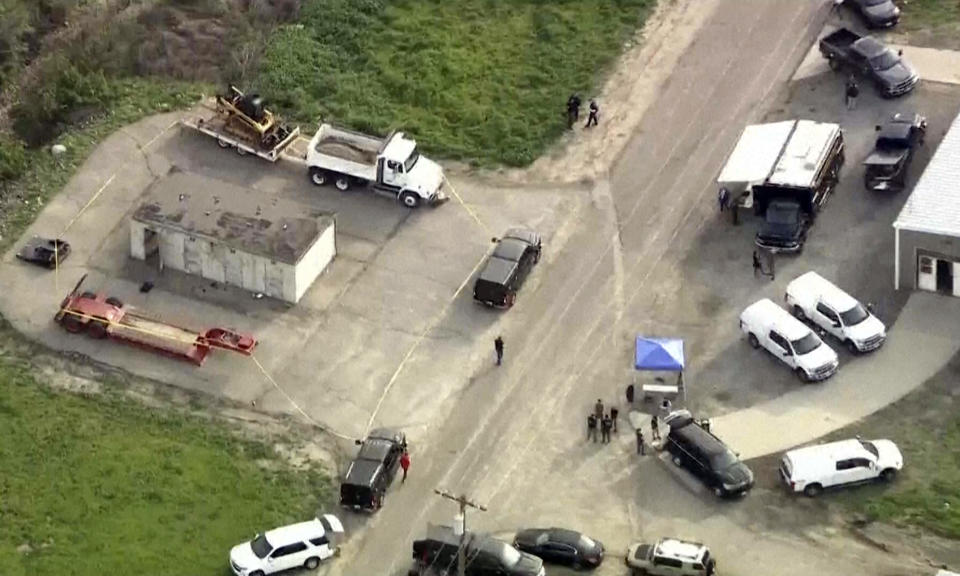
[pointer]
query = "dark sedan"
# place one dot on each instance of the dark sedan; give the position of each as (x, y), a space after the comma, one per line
(44, 252)
(877, 13)
(560, 546)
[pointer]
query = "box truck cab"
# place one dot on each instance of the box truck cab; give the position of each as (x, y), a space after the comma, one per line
(789, 340)
(813, 297)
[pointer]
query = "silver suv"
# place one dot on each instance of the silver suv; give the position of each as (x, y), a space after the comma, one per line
(670, 557)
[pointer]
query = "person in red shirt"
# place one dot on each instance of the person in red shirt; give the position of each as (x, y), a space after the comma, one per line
(405, 464)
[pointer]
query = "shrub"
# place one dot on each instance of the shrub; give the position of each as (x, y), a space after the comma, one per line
(66, 91)
(13, 160)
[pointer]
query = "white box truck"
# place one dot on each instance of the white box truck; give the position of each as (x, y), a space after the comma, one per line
(391, 165)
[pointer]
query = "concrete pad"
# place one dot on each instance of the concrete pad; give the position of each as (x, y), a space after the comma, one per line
(931, 64)
(924, 338)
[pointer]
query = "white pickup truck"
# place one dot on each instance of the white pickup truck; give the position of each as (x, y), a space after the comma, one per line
(391, 165)
(813, 297)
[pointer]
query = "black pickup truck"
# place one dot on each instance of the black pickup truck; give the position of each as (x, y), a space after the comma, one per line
(871, 59)
(886, 167)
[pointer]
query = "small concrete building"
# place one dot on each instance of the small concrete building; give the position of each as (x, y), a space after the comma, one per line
(233, 235)
(927, 231)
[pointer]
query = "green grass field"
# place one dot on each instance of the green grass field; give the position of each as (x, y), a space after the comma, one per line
(926, 427)
(926, 14)
(478, 80)
(102, 485)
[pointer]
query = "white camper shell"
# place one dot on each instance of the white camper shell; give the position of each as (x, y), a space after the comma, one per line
(813, 297)
(788, 340)
(813, 468)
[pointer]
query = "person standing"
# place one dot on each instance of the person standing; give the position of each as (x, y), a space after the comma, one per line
(613, 417)
(605, 425)
(851, 92)
(573, 110)
(498, 348)
(723, 198)
(592, 428)
(630, 394)
(405, 465)
(757, 268)
(594, 117)
(654, 429)
(598, 410)
(640, 449)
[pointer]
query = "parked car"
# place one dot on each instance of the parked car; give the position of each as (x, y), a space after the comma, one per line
(789, 340)
(45, 252)
(813, 468)
(670, 557)
(876, 13)
(560, 546)
(306, 544)
(871, 59)
(373, 470)
(813, 297)
(508, 267)
(693, 447)
(897, 140)
(486, 556)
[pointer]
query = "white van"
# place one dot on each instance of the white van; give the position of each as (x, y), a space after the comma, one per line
(813, 468)
(789, 340)
(813, 297)
(304, 544)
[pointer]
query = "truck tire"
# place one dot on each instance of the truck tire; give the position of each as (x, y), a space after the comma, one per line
(812, 490)
(888, 475)
(240, 151)
(410, 200)
(802, 375)
(852, 348)
(799, 314)
(222, 143)
(318, 176)
(97, 329)
(752, 338)
(342, 183)
(311, 563)
(72, 324)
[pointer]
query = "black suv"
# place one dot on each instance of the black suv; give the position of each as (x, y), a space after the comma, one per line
(485, 555)
(706, 456)
(373, 470)
(511, 262)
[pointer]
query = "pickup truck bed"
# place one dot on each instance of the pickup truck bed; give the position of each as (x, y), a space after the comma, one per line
(838, 42)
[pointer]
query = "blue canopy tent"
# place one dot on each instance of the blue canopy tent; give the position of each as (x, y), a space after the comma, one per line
(660, 355)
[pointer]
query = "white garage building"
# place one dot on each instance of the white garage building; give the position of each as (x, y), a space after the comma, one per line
(927, 231)
(233, 235)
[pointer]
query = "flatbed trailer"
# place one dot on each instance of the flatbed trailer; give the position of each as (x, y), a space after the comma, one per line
(293, 147)
(102, 316)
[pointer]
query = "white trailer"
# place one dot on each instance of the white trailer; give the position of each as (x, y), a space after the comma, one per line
(392, 166)
(215, 127)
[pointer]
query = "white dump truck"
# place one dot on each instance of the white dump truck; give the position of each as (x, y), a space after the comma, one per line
(391, 165)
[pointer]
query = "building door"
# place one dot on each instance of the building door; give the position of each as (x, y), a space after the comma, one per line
(944, 276)
(927, 273)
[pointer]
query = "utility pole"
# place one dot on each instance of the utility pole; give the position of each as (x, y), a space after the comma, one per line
(464, 503)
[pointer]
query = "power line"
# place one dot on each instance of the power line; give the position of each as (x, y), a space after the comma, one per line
(464, 502)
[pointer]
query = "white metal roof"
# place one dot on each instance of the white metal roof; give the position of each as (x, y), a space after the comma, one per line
(934, 205)
(755, 154)
(805, 152)
(770, 316)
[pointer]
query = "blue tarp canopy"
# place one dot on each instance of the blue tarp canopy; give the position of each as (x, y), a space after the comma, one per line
(663, 354)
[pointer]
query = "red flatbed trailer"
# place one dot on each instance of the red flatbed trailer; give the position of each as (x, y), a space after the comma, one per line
(102, 317)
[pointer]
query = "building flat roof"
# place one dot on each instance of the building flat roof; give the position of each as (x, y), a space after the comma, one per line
(242, 219)
(934, 205)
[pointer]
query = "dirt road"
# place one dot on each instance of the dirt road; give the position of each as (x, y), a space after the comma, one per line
(514, 439)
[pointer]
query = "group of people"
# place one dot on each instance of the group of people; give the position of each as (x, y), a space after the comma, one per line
(573, 111)
(654, 435)
(606, 421)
